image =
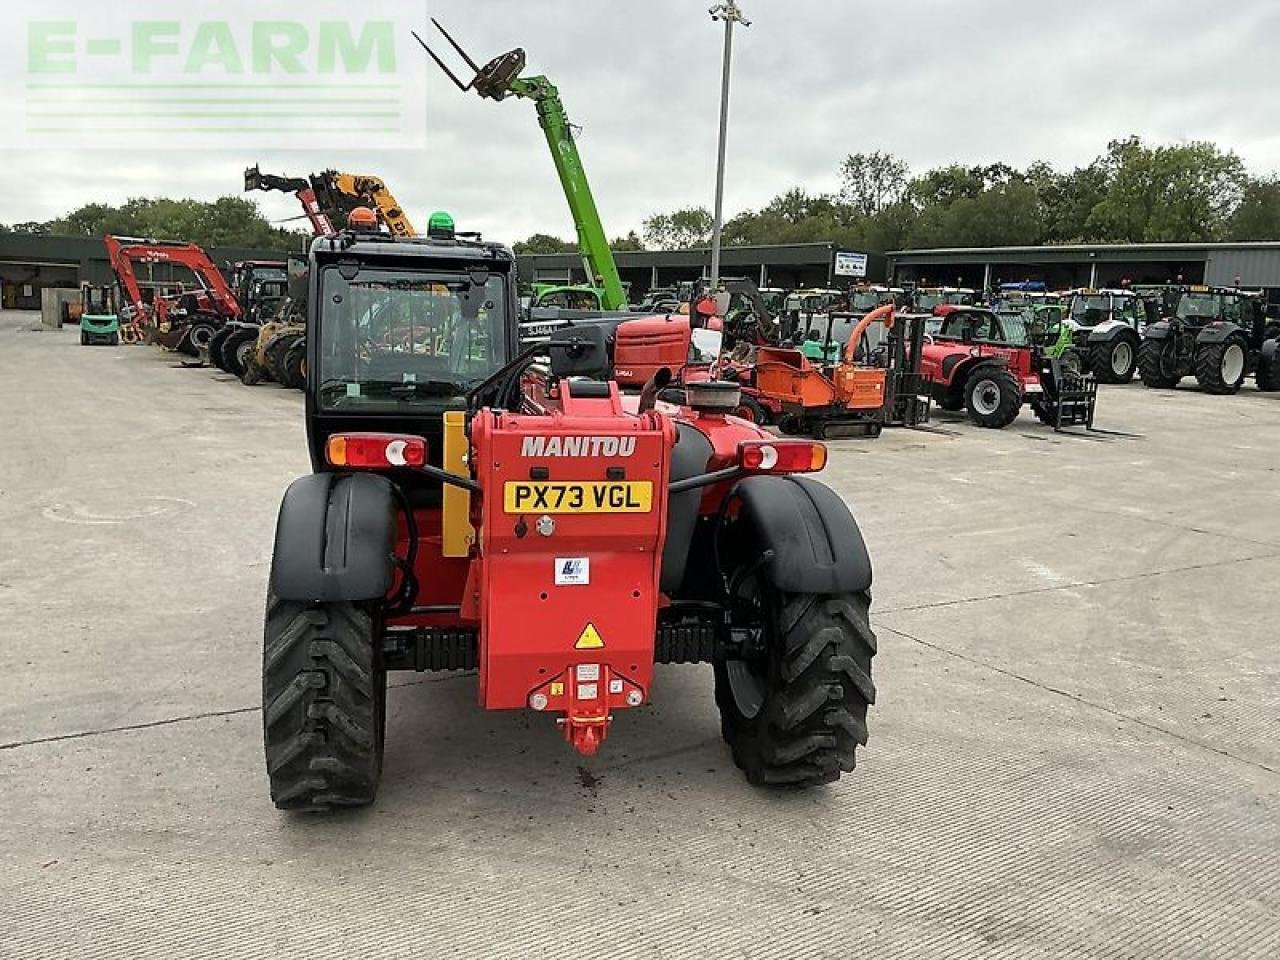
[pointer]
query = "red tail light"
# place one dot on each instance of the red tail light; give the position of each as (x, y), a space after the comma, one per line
(375, 450)
(782, 456)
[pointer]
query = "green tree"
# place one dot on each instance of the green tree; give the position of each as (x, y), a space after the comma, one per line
(1068, 199)
(679, 230)
(631, 241)
(227, 221)
(1258, 215)
(543, 243)
(870, 182)
(1005, 215)
(1179, 192)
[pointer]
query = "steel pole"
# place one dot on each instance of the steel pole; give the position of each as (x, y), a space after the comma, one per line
(730, 14)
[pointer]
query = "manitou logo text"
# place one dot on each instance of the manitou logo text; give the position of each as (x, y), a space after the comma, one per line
(537, 447)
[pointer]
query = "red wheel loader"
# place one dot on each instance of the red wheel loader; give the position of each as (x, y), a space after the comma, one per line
(559, 542)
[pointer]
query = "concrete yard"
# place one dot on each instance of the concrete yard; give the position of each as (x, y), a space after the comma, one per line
(1075, 753)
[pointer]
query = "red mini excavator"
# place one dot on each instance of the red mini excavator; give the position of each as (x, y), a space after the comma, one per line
(167, 310)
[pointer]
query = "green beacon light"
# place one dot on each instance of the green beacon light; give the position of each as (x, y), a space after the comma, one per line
(440, 226)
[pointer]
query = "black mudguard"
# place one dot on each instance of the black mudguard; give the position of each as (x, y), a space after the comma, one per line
(335, 539)
(1218, 333)
(1111, 335)
(1161, 330)
(689, 458)
(817, 546)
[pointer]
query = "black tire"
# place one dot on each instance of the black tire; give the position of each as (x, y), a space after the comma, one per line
(952, 403)
(1221, 367)
(752, 410)
(790, 425)
(796, 716)
(1156, 365)
(232, 350)
(1269, 372)
(115, 340)
(84, 339)
(215, 348)
(276, 351)
(1115, 361)
(324, 704)
(992, 397)
(295, 365)
(197, 339)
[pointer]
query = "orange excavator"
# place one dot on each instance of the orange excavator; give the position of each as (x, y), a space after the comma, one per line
(871, 385)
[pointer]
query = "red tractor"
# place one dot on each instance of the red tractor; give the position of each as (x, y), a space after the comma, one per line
(478, 506)
(989, 365)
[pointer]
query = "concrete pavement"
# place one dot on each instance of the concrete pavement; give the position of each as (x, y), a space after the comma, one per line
(1074, 753)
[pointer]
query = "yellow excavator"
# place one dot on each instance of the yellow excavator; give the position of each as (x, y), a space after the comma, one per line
(328, 197)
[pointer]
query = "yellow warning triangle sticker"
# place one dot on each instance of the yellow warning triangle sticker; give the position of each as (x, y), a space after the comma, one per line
(590, 639)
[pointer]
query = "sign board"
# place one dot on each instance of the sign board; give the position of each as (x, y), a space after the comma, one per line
(850, 264)
(88, 76)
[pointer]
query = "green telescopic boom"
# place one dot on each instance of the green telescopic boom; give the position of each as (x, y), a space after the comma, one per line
(501, 78)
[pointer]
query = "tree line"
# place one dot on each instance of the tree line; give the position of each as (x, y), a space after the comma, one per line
(225, 222)
(1133, 193)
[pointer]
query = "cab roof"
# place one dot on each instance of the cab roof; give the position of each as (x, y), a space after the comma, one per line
(382, 245)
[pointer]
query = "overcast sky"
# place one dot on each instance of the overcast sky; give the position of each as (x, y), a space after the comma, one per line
(933, 81)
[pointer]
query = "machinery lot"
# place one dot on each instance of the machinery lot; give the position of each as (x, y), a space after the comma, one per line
(1076, 748)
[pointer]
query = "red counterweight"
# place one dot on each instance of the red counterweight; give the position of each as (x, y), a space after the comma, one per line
(573, 520)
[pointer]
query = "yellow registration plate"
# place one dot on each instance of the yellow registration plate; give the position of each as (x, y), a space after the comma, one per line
(632, 496)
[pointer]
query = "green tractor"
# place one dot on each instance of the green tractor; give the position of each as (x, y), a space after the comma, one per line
(1045, 324)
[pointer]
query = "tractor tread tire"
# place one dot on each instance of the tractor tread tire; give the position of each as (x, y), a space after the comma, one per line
(1268, 376)
(215, 348)
(1208, 366)
(1010, 397)
(230, 348)
(295, 366)
(1149, 366)
(323, 704)
(814, 715)
(1099, 363)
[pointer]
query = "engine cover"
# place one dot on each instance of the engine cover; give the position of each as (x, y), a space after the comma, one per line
(572, 525)
(642, 347)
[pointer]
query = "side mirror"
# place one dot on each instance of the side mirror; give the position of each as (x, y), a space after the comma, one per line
(707, 343)
(581, 351)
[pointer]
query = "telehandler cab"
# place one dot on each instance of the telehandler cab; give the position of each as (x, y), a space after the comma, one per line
(478, 506)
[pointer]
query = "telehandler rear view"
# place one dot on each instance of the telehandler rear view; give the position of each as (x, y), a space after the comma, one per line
(559, 541)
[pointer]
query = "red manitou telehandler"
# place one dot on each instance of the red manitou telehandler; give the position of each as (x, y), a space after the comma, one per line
(172, 314)
(557, 541)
